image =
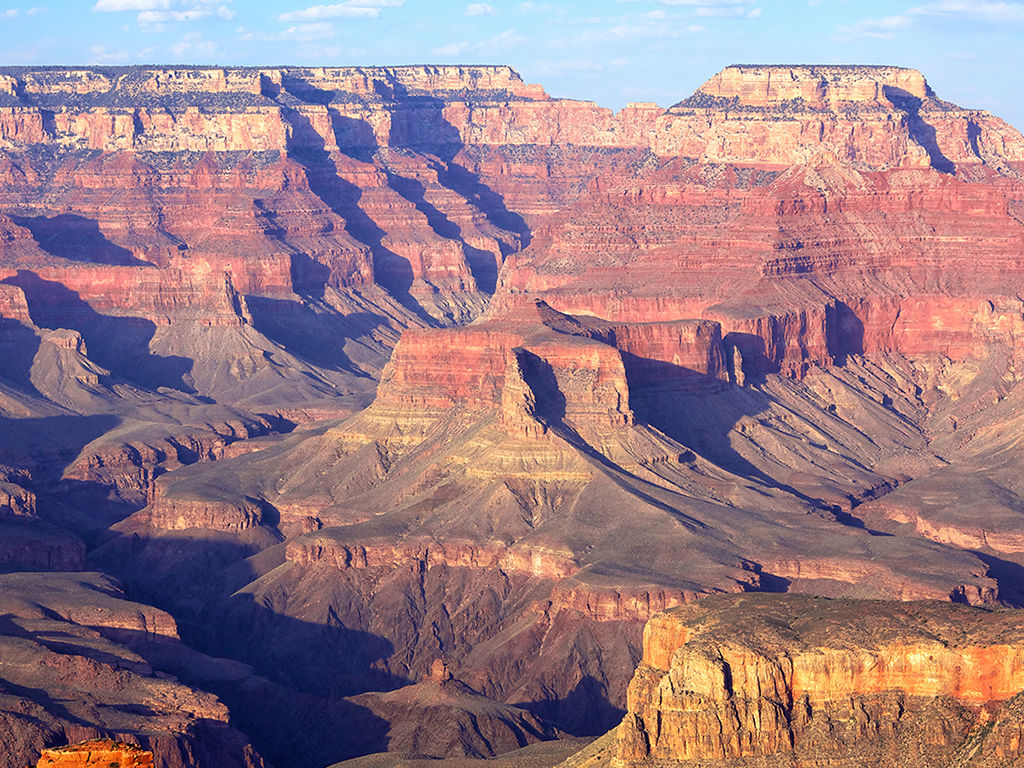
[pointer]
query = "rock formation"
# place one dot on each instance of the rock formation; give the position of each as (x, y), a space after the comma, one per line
(792, 679)
(70, 670)
(97, 753)
(287, 347)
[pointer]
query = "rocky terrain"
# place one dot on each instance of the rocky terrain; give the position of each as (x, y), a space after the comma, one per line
(774, 680)
(450, 386)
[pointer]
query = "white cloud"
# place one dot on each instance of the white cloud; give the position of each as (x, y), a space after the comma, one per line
(531, 7)
(318, 30)
(480, 9)
(100, 55)
(699, 3)
(9, 13)
(733, 11)
(34, 11)
(996, 13)
(507, 39)
(110, 6)
(352, 9)
(160, 17)
(452, 49)
(877, 29)
(658, 14)
(193, 43)
(954, 10)
(157, 12)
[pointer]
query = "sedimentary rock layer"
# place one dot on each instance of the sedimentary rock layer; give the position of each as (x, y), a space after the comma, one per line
(639, 358)
(780, 679)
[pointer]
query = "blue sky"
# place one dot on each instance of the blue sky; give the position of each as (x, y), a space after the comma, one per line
(610, 51)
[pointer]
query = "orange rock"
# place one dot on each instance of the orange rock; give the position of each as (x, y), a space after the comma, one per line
(733, 678)
(96, 753)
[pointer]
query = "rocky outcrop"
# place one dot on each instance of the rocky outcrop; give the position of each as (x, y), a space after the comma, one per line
(781, 678)
(96, 753)
(314, 549)
(441, 717)
(93, 687)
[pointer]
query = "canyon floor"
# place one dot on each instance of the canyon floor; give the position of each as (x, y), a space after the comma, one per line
(368, 415)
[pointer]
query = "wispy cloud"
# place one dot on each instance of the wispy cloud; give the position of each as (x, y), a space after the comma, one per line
(317, 30)
(351, 9)
(506, 40)
(705, 4)
(953, 10)
(99, 54)
(13, 13)
(193, 44)
(877, 29)
(452, 49)
(995, 13)
(480, 9)
(164, 11)
(531, 7)
(113, 6)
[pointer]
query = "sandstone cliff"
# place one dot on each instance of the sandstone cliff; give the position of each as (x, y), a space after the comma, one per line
(784, 679)
(96, 753)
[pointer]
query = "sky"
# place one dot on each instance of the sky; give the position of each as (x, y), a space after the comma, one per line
(609, 51)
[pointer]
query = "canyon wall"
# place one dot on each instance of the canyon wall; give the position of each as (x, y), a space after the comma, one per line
(767, 677)
(288, 347)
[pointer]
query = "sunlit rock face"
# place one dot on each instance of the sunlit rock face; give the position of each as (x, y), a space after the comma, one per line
(783, 678)
(96, 753)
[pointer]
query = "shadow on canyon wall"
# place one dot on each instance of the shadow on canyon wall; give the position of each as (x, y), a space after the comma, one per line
(307, 147)
(584, 711)
(119, 344)
(311, 331)
(18, 347)
(417, 124)
(923, 133)
(76, 238)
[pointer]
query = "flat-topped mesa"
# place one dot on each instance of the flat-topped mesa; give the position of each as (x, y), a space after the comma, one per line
(115, 84)
(818, 86)
(540, 363)
(765, 676)
(536, 362)
(867, 117)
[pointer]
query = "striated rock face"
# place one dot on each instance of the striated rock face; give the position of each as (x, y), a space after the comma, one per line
(626, 361)
(96, 753)
(784, 678)
(820, 86)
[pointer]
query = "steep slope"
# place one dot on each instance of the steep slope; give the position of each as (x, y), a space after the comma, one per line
(68, 673)
(781, 679)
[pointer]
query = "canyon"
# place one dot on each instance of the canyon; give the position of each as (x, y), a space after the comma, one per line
(364, 410)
